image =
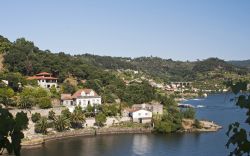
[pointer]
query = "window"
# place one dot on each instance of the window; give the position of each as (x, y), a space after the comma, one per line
(146, 113)
(139, 114)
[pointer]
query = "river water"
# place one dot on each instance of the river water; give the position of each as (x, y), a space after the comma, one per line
(217, 108)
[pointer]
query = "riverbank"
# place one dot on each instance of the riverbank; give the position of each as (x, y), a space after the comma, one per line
(40, 140)
(206, 126)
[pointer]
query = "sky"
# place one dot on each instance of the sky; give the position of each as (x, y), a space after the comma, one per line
(176, 29)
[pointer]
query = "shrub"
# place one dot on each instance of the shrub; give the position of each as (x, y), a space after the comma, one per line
(51, 115)
(35, 117)
(197, 124)
(41, 125)
(189, 113)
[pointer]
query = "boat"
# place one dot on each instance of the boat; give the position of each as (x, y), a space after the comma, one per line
(200, 106)
(185, 105)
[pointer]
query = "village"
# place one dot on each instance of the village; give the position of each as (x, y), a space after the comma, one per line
(91, 109)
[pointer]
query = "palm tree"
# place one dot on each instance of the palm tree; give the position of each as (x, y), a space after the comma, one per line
(77, 117)
(61, 123)
(42, 125)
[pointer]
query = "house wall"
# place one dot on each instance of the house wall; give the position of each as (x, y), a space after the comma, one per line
(45, 83)
(83, 102)
(157, 109)
(140, 114)
(67, 102)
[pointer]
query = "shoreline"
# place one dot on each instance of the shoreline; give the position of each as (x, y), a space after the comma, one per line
(41, 140)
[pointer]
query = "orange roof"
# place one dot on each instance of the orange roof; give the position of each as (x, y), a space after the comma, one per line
(41, 78)
(87, 91)
(43, 73)
(66, 97)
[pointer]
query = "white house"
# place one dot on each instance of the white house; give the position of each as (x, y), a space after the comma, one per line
(44, 80)
(82, 97)
(142, 116)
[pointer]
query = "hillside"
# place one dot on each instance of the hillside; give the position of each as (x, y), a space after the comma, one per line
(243, 63)
(32, 60)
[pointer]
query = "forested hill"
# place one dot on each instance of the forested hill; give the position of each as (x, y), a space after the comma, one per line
(24, 57)
(243, 63)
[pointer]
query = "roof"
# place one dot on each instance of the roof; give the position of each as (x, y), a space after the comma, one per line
(41, 78)
(87, 91)
(66, 97)
(43, 73)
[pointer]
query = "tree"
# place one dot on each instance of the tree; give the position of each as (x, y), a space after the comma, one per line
(61, 123)
(100, 119)
(27, 100)
(42, 125)
(11, 128)
(35, 117)
(238, 136)
(44, 102)
(77, 118)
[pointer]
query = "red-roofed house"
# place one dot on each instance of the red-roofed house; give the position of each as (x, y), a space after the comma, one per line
(82, 97)
(44, 80)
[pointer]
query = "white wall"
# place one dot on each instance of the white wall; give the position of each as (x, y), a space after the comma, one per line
(85, 101)
(142, 114)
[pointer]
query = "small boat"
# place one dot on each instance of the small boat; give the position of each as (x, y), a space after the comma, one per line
(200, 106)
(185, 105)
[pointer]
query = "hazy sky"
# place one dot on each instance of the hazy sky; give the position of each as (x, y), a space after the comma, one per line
(181, 30)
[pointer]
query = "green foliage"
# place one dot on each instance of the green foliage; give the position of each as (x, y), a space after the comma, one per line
(35, 117)
(110, 109)
(169, 122)
(138, 93)
(42, 125)
(54, 93)
(6, 96)
(51, 115)
(61, 123)
(68, 88)
(34, 96)
(100, 119)
(66, 113)
(77, 118)
(44, 102)
(197, 124)
(11, 128)
(5, 44)
(238, 136)
(188, 113)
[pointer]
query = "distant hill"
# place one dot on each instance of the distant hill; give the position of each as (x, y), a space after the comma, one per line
(244, 63)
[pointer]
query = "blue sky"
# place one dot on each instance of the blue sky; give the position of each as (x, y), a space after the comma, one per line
(181, 30)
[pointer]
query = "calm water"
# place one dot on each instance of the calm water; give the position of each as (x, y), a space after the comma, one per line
(217, 108)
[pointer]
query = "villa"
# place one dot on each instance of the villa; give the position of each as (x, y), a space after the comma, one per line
(44, 80)
(82, 97)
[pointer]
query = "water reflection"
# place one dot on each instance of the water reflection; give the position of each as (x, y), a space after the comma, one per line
(142, 144)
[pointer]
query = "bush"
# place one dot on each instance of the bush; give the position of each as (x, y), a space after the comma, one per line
(197, 124)
(51, 115)
(42, 125)
(35, 117)
(189, 113)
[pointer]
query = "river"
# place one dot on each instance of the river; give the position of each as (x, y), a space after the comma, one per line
(217, 108)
